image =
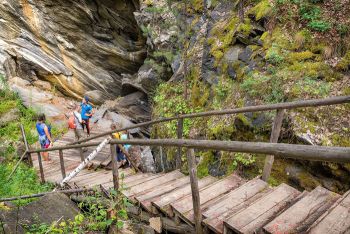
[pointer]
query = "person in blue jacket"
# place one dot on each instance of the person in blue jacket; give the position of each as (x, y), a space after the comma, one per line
(86, 114)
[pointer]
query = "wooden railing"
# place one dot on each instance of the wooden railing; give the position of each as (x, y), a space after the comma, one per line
(304, 152)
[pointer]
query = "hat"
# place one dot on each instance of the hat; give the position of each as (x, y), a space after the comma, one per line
(86, 98)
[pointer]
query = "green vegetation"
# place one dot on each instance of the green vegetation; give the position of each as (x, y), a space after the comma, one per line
(23, 182)
(292, 60)
(94, 217)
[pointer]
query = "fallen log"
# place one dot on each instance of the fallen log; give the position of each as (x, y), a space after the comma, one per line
(85, 162)
(70, 191)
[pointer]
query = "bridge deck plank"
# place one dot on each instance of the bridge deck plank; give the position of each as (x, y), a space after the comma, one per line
(303, 213)
(254, 217)
(215, 214)
(184, 205)
(146, 199)
(163, 202)
(337, 220)
(166, 178)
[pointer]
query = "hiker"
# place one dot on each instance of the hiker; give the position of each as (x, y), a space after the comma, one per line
(121, 158)
(124, 136)
(86, 114)
(75, 122)
(44, 132)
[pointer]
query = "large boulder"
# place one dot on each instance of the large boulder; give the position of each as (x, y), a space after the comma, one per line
(77, 46)
(38, 212)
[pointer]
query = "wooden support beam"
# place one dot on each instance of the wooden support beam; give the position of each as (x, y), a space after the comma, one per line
(180, 124)
(192, 167)
(81, 153)
(115, 167)
(41, 168)
(275, 133)
(303, 152)
(28, 155)
(63, 169)
(43, 194)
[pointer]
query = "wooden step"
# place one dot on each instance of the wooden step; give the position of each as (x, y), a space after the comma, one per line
(336, 220)
(232, 202)
(185, 205)
(163, 202)
(141, 180)
(130, 192)
(100, 177)
(145, 199)
(127, 179)
(254, 217)
(302, 214)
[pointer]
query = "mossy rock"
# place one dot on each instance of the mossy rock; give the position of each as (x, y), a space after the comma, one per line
(262, 10)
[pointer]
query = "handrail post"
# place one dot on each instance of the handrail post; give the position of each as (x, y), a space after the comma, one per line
(195, 190)
(29, 156)
(63, 170)
(275, 133)
(41, 168)
(180, 124)
(81, 153)
(114, 167)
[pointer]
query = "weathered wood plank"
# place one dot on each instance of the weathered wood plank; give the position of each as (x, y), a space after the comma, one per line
(232, 202)
(146, 199)
(295, 151)
(254, 217)
(164, 201)
(302, 214)
(213, 191)
(143, 180)
(196, 201)
(135, 190)
(275, 133)
(99, 178)
(337, 221)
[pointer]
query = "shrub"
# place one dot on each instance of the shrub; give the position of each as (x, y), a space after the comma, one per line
(319, 25)
(309, 12)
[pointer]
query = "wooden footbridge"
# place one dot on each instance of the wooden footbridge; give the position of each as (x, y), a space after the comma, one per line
(227, 205)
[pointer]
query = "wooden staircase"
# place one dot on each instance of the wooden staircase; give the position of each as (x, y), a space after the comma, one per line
(233, 205)
(228, 205)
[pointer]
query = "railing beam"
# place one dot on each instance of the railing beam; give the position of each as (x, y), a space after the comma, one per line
(303, 152)
(192, 167)
(285, 105)
(275, 133)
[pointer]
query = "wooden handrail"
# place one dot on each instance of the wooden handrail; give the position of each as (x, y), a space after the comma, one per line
(269, 107)
(303, 152)
(64, 147)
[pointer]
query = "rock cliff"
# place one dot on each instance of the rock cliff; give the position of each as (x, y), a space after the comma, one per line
(78, 46)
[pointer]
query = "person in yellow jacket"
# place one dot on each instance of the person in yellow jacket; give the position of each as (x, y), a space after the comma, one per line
(122, 160)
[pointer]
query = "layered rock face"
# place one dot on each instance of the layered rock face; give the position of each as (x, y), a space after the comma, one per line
(78, 46)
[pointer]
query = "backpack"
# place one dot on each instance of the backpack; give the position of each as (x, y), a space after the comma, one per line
(71, 122)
